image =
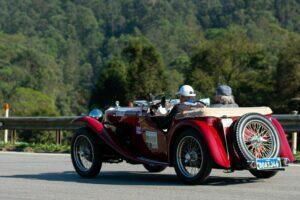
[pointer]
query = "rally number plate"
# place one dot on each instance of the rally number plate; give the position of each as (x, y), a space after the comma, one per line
(268, 163)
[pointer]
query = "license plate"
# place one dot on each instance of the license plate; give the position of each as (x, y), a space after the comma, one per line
(268, 163)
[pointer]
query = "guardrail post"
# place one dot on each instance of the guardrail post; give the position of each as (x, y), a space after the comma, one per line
(6, 108)
(294, 137)
(58, 137)
(13, 136)
(294, 142)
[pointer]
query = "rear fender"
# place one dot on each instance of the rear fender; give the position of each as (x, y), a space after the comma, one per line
(211, 137)
(285, 150)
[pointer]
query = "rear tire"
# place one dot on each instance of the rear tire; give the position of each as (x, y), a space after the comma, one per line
(263, 174)
(85, 153)
(191, 157)
(154, 168)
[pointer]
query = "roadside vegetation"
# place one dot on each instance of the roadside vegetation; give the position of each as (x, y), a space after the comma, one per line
(32, 147)
(297, 157)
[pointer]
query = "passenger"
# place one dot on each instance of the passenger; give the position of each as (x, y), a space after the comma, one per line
(130, 104)
(224, 97)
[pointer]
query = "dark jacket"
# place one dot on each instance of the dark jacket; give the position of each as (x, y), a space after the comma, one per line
(219, 105)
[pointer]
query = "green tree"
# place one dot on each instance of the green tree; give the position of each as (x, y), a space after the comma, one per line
(112, 84)
(288, 73)
(135, 71)
(61, 47)
(25, 100)
(234, 60)
(29, 102)
(146, 71)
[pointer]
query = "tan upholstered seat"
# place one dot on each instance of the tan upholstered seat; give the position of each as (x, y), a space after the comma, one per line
(222, 112)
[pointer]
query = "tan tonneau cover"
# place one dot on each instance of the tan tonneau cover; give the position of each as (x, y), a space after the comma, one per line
(224, 112)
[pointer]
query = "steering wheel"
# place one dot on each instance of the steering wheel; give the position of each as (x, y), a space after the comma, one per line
(156, 105)
(201, 103)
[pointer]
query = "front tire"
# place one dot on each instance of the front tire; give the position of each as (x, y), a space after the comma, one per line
(154, 168)
(85, 153)
(263, 174)
(191, 157)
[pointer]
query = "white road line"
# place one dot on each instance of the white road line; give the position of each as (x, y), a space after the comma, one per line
(295, 165)
(32, 153)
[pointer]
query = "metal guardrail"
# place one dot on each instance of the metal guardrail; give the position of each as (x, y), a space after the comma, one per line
(40, 123)
(290, 123)
(56, 124)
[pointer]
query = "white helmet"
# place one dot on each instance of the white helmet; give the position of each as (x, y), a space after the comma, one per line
(186, 91)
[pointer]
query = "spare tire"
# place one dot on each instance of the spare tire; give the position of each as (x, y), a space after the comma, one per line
(256, 137)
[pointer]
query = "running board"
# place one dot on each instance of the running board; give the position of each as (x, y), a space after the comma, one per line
(154, 162)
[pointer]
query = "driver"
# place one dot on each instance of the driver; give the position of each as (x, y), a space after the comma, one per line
(187, 98)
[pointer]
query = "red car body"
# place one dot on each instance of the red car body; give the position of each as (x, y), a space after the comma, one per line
(218, 138)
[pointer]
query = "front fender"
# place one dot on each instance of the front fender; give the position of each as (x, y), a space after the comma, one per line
(92, 123)
(211, 137)
(98, 128)
(285, 150)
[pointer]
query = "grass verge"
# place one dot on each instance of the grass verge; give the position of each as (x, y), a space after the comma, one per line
(33, 147)
(297, 157)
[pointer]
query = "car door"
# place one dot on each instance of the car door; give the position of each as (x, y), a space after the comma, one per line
(153, 141)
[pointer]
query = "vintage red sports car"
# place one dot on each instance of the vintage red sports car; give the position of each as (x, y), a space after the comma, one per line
(193, 142)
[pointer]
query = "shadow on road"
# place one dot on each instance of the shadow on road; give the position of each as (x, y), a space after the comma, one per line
(131, 178)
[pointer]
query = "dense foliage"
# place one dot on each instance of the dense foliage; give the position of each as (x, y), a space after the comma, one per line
(60, 57)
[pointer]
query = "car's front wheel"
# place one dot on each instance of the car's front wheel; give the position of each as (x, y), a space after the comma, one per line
(85, 153)
(154, 168)
(191, 157)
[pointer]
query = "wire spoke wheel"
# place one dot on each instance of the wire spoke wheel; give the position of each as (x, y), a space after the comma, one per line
(189, 155)
(259, 139)
(256, 137)
(84, 153)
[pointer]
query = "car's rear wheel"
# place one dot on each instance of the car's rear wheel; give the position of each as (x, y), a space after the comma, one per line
(256, 138)
(154, 168)
(262, 174)
(85, 153)
(191, 157)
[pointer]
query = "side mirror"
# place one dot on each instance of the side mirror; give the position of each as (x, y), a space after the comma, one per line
(96, 113)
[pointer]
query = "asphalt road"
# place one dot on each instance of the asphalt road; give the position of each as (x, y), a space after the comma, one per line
(46, 176)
